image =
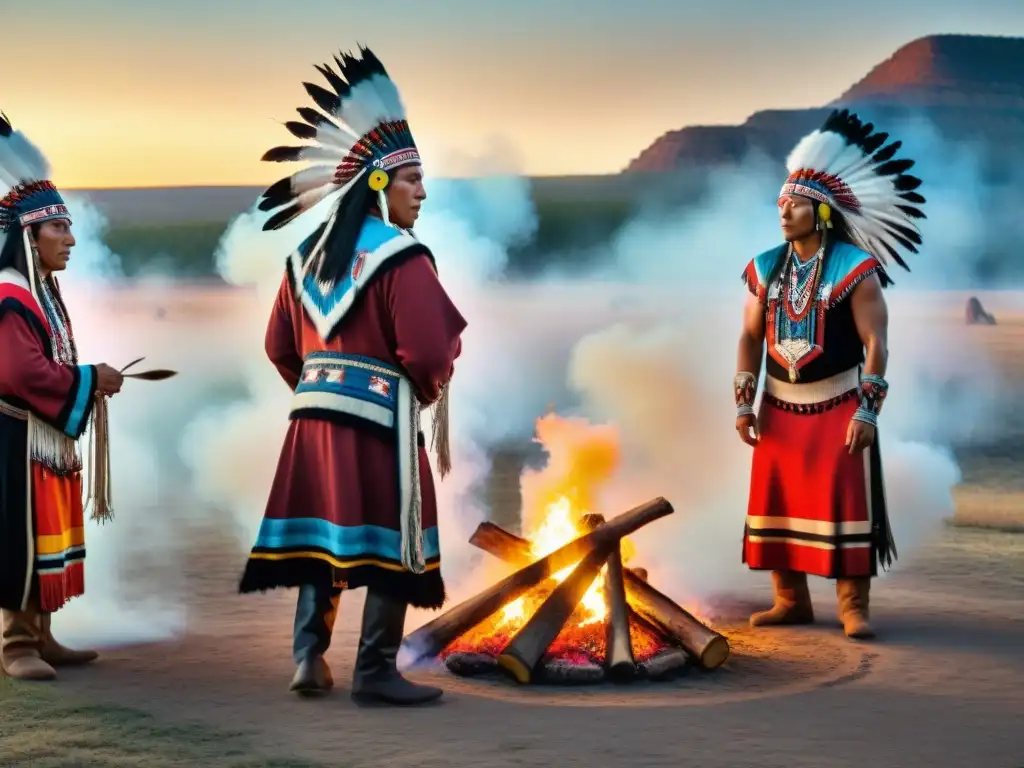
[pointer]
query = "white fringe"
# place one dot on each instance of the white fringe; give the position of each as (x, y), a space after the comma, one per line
(411, 522)
(54, 449)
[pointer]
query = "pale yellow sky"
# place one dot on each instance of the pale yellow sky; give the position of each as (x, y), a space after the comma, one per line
(158, 94)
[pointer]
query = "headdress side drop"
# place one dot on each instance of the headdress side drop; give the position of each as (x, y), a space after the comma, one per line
(848, 166)
(359, 135)
(27, 196)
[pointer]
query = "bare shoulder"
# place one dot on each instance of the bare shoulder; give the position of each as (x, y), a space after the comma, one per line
(869, 290)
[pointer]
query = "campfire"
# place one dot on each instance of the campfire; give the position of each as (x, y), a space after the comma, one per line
(573, 612)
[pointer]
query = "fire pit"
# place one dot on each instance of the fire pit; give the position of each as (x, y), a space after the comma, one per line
(572, 613)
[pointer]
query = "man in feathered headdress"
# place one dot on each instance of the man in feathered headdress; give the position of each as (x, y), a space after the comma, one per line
(46, 402)
(817, 499)
(366, 336)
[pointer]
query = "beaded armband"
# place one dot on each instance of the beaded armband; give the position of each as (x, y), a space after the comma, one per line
(872, 396)
(744, 386)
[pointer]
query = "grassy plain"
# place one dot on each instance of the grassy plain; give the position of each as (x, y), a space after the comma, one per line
(40, 727)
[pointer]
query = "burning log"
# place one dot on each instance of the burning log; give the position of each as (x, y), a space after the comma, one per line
(472, 664)
(513, 549)
(668, 663)
(619, 649)
(506, 546)
(525, 650)
(562, 672)
(430, 639)
(708, 648)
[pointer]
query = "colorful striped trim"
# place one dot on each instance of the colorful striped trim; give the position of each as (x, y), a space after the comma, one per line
(345, 544)
(81, 395)
(396, 159)
(40, 215)
(863, 271)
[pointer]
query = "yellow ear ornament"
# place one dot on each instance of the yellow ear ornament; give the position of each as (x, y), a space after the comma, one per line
(378, 180)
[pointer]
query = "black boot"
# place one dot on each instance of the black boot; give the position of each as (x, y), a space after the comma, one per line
(376, 678)
(315, 612)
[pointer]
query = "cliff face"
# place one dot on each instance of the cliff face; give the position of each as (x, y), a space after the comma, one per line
(970, 87)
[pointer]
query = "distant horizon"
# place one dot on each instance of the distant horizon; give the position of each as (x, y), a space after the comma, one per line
(264, 186)
(192, 94)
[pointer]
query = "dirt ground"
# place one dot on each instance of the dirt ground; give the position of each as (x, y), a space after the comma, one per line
(943, 685)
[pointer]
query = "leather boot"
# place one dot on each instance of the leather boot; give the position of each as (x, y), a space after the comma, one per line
(376, 678)
(21, 643)
(792, 602)
(57, 655)
(315, 612)
(854, 612)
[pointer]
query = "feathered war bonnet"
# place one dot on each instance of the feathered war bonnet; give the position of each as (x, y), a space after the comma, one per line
(845, 165)
(359, 135)
(27, 196)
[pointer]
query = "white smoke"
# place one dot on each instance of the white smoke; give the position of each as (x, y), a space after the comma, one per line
(647, 342)
(128, 560)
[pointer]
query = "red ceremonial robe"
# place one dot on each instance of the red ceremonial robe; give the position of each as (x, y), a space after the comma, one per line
(333, 511)
(813, 507)
(45, 406)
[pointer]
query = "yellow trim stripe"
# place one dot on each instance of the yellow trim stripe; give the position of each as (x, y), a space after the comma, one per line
(335, 561)
(55, 543)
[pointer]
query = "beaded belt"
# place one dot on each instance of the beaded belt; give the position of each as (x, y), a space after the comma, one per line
(813, 392)
(373, 391)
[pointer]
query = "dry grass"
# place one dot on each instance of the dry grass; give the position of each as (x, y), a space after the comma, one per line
(41, 728)
(986, 507)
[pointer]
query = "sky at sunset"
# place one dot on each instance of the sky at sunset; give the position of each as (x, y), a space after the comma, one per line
(191, 92)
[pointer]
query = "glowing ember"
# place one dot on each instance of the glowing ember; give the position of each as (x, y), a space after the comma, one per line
(583, 636)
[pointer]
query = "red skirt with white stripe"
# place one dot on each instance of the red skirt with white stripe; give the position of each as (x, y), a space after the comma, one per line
(813, 507)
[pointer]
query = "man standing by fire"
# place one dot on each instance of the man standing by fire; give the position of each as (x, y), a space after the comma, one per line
(364, 334)
(817, 500)
(47, 399)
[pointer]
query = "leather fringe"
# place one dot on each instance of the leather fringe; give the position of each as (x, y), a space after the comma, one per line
(100, 493)
(440, 440)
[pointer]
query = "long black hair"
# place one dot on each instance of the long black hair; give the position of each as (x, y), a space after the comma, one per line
(335, 259)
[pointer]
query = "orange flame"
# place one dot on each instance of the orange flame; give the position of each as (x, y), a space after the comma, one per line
(581, 458)
(559, 527)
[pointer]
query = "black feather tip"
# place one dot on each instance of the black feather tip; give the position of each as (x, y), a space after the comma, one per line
(300, 130)
(312, 117)
(276, 195)
(327, 101)
(282, 217)
(282, 154)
